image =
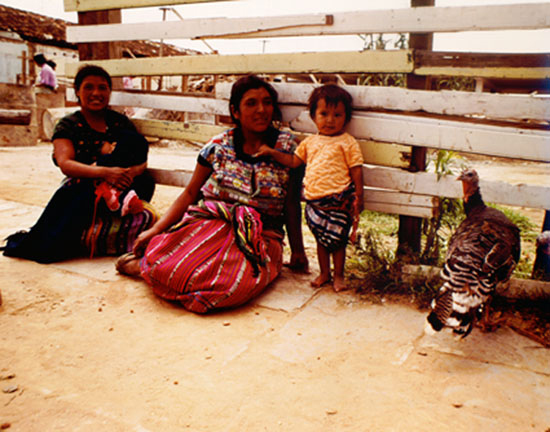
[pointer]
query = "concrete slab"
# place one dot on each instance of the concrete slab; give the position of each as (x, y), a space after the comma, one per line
(292, 295)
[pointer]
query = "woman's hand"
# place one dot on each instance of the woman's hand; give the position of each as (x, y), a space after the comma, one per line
(143, 240)
(121, 178)
(176, 210)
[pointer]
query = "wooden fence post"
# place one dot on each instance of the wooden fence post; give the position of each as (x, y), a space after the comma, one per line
(101, 50)
(410, 228)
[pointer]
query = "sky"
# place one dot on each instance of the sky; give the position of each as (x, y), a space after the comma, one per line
(488, 41)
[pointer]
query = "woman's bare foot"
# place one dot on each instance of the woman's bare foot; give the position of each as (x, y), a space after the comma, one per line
(339, 284)
(320, 280)
(128, 264)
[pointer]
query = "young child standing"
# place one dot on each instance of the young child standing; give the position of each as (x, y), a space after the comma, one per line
(333, 182)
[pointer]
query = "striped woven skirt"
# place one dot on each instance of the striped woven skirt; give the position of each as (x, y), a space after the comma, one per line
(330, 218)
(217, 257)
(113, 234)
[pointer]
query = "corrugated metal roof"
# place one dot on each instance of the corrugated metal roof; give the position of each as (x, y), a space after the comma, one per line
(45, 30)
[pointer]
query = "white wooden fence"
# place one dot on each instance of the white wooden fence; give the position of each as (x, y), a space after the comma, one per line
(389, 121)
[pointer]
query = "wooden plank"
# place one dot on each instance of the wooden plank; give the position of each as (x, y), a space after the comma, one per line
(376, 153)
(492, 106)
(397, 209)
(499, 141)
(170, 102)
(191, 28)
(444, 102)
(484, 65)
(15, 116)
(514, 288)
(94, 5)
(330, 62)
(488, 72)
(382, 201)
(413, 184)
(394, 202)
(404, 20)
(182, 103)
(179, 178)
(165, 102)
(385, 154)
(519, 195)
(376, 195)
(194, 132)
(428, 20)
(426, 58)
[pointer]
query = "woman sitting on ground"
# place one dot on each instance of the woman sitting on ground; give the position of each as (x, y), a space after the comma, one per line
(224, 249)
(104, 158)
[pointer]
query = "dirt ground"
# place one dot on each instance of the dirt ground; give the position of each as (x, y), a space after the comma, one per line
(85, 349)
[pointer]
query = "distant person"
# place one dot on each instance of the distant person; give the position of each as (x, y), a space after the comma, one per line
(47, 76)
(333, 180)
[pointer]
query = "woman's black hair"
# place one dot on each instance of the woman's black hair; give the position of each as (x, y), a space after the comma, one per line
(248, 82)
(332, 94)
(40, 59)
(91, 70)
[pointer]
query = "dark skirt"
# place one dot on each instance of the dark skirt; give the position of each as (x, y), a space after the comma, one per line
(65, 229)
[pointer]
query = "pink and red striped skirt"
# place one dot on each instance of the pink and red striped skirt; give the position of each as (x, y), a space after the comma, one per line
(199, 263)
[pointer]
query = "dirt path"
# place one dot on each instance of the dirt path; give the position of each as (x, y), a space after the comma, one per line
(84, 349)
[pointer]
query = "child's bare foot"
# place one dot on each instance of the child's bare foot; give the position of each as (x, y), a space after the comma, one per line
(320, 280)
(339, 284)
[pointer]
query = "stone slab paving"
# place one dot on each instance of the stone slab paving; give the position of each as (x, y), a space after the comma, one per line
(87, 349)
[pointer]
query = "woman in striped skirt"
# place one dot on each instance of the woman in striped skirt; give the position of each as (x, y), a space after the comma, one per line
(221, 242)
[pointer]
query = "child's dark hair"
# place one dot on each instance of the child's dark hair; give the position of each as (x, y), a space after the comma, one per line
(91, 70)
(332, 94)
(248, 82)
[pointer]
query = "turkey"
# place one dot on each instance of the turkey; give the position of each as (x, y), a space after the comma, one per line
(483, 252)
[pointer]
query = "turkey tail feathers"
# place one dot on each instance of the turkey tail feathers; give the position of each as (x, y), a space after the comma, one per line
(454, 309)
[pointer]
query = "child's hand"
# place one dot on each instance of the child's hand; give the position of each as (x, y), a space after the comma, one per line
(264, 150)
(358, 205)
